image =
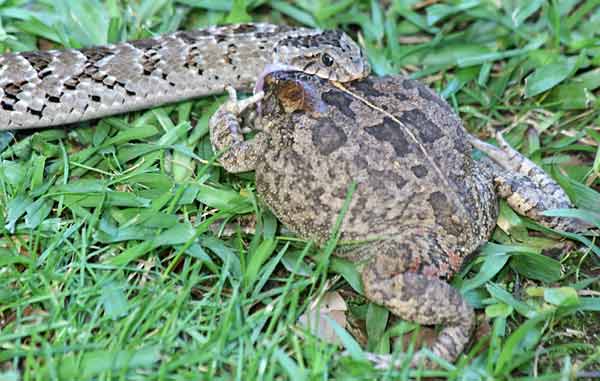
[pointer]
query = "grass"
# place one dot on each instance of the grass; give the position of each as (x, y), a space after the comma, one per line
(108, 269)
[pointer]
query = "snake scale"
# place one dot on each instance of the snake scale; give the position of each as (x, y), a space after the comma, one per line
(49, 88)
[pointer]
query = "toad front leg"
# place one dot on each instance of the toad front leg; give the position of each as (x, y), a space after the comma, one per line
(226, 134)
(525, 186)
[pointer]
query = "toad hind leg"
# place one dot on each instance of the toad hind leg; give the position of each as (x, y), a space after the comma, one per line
(226, 133)
(527, 188)
(421, 299)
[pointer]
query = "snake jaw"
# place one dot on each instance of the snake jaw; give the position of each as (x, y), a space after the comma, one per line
(270, 68)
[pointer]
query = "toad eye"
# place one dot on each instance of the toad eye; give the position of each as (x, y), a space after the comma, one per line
(327, 59)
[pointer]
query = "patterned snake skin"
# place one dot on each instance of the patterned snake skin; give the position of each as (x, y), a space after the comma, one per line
(48, 88)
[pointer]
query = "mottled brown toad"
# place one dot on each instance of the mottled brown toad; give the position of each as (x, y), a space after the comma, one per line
(421, 203)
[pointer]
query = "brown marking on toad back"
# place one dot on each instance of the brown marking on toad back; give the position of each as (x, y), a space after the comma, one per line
(339, 100)
(382, 178)
(401, 96)
(428, 131)
(327, 136)
(388, 132)
(398, 180)
(419, 170)
(425, 93)
(367, 89)
(360, 161)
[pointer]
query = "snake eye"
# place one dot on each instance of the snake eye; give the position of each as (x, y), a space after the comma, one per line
(327, 59)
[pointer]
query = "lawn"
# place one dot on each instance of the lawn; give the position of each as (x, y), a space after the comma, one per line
(109, 268)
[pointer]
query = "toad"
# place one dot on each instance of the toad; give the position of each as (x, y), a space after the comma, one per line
(421, 202)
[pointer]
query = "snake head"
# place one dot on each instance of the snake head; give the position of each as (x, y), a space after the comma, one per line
(329, 54)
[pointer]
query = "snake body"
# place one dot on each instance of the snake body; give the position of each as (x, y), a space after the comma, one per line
(48, 88)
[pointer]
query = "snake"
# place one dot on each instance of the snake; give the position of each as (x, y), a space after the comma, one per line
(57, 87)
